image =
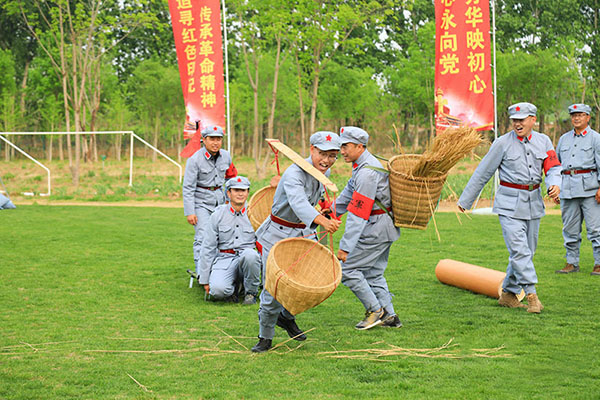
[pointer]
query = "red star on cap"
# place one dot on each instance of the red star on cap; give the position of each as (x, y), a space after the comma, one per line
(575, 107)
(239, 179)
(342, 130)
(215, 128)
(328, 138)
(518, 108)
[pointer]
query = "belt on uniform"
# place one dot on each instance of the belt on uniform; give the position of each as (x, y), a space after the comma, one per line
(576, 171)
(529, 187)
(213, 188)
(286, 223)
(380, 211)
(229, 251)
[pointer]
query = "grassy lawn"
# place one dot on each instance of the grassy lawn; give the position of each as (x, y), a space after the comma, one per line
(95, 297)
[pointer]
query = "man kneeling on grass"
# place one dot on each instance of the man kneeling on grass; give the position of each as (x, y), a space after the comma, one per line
(228, 254)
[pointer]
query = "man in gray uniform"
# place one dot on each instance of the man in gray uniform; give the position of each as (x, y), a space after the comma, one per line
(228, 255)
(579, 153)
(520, 156)
(293, 215)
(205, 173)
(365, 247)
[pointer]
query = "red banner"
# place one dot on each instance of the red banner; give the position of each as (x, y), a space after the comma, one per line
(197, 33)
(463, 83)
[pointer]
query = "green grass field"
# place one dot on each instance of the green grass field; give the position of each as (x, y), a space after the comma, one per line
(95, 297)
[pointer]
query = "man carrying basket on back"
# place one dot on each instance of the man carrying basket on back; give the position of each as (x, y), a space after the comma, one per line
(293, 215)
(370, 231)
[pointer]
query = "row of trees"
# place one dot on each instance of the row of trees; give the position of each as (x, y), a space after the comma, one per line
(295, 67)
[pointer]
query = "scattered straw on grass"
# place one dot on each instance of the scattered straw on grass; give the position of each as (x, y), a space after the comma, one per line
(292, 338)
(446, 150)
(230, 337)
(139, 384)
(444, 351)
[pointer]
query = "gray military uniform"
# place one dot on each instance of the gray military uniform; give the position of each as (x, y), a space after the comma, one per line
(228, 255)
(578, 153)
(202, 190)
(369, 234)
(295, 199)
(519, 161)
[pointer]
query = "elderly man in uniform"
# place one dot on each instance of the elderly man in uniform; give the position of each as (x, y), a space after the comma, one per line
(293, 215)
(365, 246)
(205, 173)
(520, 156)
(228, 255)
(579, 153)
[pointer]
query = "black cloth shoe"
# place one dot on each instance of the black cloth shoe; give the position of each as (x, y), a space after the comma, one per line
(262, 345)
(292, 329)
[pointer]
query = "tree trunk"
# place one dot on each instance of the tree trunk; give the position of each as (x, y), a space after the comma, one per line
(61, 154)
(301, 105)
(274, 92)
(24, 88)
(50, 145)
(542, 122)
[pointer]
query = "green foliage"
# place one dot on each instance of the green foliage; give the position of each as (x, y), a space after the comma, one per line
(104, 299)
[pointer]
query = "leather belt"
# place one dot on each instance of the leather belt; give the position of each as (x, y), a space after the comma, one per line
(286, 223)
(576, 171)
(213, 188)
(229, 251)
(380, 211)
(529, 187)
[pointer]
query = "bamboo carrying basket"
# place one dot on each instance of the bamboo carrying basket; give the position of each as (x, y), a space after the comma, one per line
(414, 198)
(259, 207)
(301, 273)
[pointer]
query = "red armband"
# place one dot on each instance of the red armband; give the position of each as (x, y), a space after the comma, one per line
(550, 161)
(361, 205)
(231, 171)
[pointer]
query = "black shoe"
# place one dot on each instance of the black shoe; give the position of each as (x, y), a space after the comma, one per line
(391, 321)
(292, 329)
(262, 345)
(249, 299)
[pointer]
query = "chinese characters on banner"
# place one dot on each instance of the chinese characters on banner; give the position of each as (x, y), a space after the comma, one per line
(463, 84)
(197, 32)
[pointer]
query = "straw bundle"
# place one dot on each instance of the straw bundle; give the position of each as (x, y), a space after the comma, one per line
(301, 273)
(259, 206)
(447, 149)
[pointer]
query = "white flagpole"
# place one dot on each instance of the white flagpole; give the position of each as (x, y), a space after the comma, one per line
(496, 179)
(226, 75)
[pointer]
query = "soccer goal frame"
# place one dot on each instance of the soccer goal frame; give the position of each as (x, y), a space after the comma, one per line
(132, 134)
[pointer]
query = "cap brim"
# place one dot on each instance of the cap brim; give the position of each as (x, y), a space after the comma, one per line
(349, 140)
(214, 134)
(325, 147)
(519, 116)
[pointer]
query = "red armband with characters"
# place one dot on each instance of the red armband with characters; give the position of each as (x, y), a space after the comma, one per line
(550, 161)
(231, 172)
(361, 205)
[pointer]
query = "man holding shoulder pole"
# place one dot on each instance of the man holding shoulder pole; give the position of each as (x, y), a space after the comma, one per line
(579, 153)
(293, 215)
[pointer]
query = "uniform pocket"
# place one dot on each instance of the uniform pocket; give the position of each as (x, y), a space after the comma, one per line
(506, 199)
(590, 181)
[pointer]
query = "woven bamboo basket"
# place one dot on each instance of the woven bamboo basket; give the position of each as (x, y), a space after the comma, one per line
(259, 206)
(414, 198)
(301, 273)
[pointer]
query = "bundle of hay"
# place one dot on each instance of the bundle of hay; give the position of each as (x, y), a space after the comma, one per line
(447, 149)
(416, 180)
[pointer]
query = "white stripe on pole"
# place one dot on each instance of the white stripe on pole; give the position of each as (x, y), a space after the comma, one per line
(226, 75)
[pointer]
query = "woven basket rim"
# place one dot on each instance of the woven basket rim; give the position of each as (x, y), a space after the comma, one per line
(400, 174)
(294, 282)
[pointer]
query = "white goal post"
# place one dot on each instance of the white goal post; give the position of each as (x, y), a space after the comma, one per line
(132, 136)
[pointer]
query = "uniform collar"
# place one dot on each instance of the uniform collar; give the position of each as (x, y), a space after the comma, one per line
(361, 159)
(583, 133)
(207, 155)
(521, 138)
(233, 212)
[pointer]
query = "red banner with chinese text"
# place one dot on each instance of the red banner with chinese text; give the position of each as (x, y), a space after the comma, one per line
(463, 83)
(197, 33)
